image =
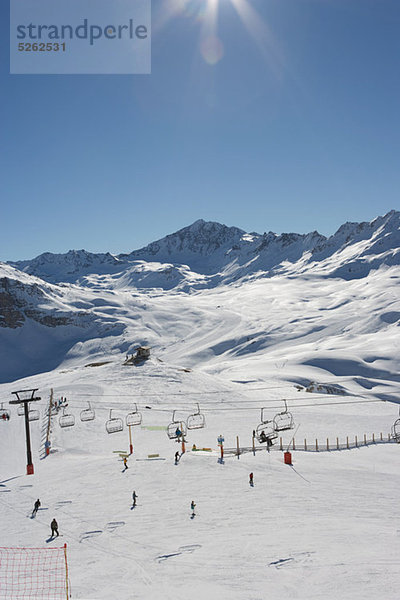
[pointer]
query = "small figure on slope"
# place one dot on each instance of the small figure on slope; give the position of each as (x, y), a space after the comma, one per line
(36, 507)
(192, 507)
(251, 482)
(125, 464)
(54, 528)
(134, 496)
(176, 457)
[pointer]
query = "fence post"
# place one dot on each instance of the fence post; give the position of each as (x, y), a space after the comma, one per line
(381, 437)
(237, 446)
(388, 437)
(373, 438)
(365, 439)
(327, 443)
(356, 442)
(281, 445)
(254, 447)
(305, 444)
(337, 443)
(347, 442)
(316, 445)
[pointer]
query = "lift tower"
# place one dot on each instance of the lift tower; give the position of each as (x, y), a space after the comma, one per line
(23, 398)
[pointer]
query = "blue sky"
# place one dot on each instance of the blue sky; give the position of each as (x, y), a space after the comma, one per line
(294, 127)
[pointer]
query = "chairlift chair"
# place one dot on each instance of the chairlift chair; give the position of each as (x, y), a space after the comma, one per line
(266, 432)
(87, 414)
(196, 420)
(284, 420)
(114, 424)
(396, 430)
(176, 426)
(4, 414)
(66, 419)
(133, 418)
(33, 414)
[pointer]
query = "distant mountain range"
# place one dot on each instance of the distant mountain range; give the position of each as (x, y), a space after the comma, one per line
(221, 254)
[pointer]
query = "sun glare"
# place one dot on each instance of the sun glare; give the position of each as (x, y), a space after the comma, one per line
(205, 12)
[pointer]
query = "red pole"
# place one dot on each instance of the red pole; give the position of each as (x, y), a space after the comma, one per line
(130, 440)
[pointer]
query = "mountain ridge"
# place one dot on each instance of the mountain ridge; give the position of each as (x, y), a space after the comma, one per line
(221, 253)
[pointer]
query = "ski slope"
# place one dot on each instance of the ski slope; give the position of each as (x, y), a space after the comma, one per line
(325, 528)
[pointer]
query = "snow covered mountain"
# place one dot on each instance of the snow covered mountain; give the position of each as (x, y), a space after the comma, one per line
(214, 297)
(223, 254)
(70, 266)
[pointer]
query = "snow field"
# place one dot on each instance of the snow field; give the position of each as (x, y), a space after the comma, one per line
(326, 527)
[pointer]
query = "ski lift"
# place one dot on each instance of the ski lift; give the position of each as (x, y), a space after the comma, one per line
(396, 430)
(87, 414)
(266, 432)
(113, 425)
(33, 414)
(284, 420)
(66, 419)
(196, 420)
(133, 418)
(176, 428)
(4, 414)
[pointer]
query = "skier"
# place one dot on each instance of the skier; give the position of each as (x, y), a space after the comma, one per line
(36, 507)
(251, 479)
(176, 457)
(125, 463)
(54, 528)
(263, 437)
(178, 433)
(134, 496)
(192, 507)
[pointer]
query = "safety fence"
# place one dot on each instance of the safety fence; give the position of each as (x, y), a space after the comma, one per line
(316, 445)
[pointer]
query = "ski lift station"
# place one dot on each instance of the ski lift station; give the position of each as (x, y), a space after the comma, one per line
(142, 354)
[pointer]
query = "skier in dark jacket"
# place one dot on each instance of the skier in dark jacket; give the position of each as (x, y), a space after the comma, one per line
(54, 528)
(176, 457)
(36, 507)
(192, 506)
(134, 496)
(251, 482)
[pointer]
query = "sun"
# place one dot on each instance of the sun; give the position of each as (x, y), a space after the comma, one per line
(205, 12)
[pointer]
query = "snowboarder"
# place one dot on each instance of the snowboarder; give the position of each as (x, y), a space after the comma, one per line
(54, 528)
(36, 507)
(125, 463)
(192, 507)
(134, 496)
(176, 457)
(251, 482)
